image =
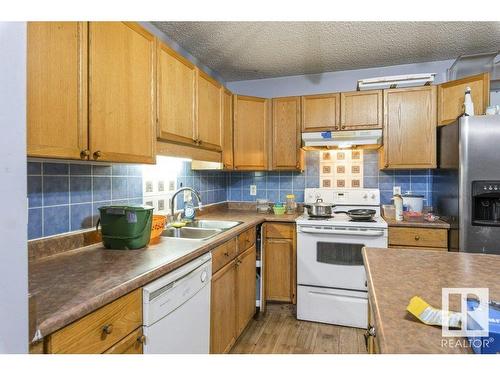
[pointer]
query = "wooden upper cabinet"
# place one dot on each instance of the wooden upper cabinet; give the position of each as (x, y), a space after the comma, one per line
(176, 84)
(286, 133)
(57, 89)
(227, 130)
(451, 97)
(250, 132)
(122, 93)
(320, 112)
(409, 128)
(361, 110)
(209, 117)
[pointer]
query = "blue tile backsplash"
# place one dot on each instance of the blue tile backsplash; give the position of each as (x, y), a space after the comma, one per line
(64, 196)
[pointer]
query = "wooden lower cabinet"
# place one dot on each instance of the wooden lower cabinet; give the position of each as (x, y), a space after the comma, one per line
(223, 309)
(233, 294)
(418, 238)
(245, 281)
(279, 262)
(132, 344)
(100, 330)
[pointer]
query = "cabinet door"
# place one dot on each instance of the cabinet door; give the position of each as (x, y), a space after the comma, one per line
(246, 284)
(320, 112)
(132, 344)
(286, 133)
(250, 133)
(409, 128)
(209, 118)
(57, 90)
(227, 130)
(121, 92)
(176, 85)
(223, 309)
(451, 97)
(279, 267)
(361, 110)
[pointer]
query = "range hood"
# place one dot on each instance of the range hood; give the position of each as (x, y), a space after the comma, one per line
(342, 139)
(393, 82)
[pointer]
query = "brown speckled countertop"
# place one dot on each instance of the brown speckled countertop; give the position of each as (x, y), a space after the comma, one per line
(395, 275)
(438, 224)
(69, 285)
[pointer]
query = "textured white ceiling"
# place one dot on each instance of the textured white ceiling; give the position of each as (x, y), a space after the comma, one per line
(253, 50)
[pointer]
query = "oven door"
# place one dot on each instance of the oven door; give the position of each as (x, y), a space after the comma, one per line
(331, 256)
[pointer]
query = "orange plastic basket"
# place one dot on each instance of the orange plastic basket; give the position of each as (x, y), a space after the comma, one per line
(157, 227)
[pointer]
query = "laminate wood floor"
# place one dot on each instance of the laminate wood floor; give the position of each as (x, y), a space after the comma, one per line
(277, 331)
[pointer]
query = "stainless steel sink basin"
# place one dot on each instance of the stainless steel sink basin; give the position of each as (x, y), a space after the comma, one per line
(213, 224)
(200, 229)
(190, 233)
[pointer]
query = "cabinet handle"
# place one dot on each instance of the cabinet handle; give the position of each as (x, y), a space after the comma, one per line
(107, 329)
(97, 155)
(84, 154)
(142, 339)
(226, 253)
(417, 237)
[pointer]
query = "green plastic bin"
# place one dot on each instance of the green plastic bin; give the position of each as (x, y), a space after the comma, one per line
(125, 227)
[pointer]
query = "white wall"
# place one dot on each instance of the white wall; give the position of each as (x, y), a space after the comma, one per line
(14, 216)
(332, 81)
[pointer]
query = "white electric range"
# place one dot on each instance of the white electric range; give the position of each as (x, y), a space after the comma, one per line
(331, 278)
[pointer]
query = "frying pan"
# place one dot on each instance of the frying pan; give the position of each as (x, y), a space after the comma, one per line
(360, 214)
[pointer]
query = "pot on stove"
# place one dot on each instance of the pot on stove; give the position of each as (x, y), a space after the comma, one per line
(319, 209)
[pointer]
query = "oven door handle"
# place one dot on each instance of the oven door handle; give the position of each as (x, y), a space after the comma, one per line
(368, 233)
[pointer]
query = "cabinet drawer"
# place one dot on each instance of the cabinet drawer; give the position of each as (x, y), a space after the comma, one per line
(419, 248)
(132, 344)
(88, 334)
(223, 254)
(418, 237)
(279, 230)
(246, 240)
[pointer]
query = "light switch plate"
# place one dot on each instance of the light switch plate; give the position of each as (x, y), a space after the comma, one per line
(396, 190)
(161, 186)
(253, 189)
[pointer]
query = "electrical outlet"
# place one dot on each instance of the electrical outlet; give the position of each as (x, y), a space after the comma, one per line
(396, 190)
(187, 195)
(253, 189)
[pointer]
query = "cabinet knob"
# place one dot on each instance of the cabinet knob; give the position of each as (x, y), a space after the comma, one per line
(226, 253)
(107, 329)
(84, 154)
(97, 155)
(336, 127)
(142, 339)
(417, 237)
(343, 127)
(199, 142)
(386, 165)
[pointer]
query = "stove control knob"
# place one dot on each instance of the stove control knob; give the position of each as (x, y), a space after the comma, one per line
(495, 188)
(490, 188)
(373, 196)
(365, 196)
(485, 188)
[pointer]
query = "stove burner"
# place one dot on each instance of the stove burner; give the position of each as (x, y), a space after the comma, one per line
(319, 217)
(363, 221)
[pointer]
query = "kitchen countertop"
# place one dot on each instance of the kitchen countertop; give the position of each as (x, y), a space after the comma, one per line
(438, 224)
(69, 285)
(396, 275)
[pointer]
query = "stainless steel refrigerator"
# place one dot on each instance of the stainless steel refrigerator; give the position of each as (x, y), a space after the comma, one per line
(466, 185)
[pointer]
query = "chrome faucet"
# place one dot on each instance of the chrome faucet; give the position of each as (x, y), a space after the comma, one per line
(172, 200)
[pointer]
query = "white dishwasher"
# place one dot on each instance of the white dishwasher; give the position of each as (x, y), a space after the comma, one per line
(176, 310)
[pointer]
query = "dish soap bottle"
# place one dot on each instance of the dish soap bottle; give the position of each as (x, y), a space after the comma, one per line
(468, 104)
(189, 211)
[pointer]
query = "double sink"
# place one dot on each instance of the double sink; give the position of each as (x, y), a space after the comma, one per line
(200, 229)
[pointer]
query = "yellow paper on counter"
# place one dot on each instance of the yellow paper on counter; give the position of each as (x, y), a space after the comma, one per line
(432, 316)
